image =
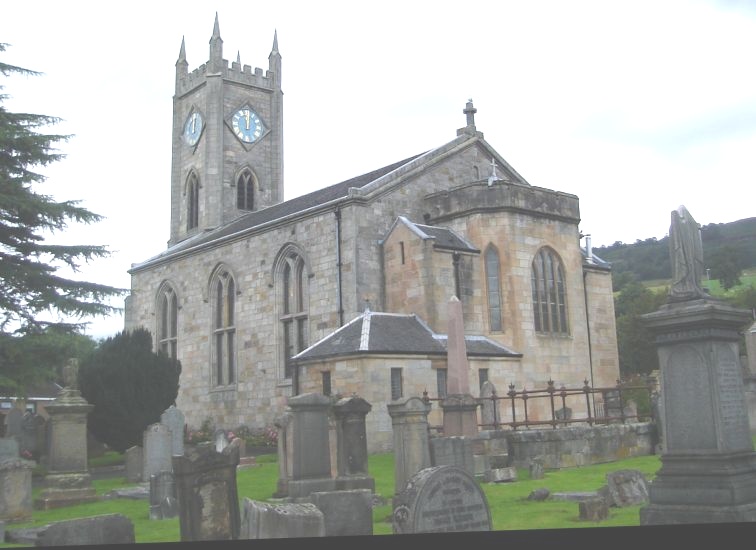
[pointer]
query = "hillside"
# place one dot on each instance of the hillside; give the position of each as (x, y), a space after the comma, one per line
(649, 259)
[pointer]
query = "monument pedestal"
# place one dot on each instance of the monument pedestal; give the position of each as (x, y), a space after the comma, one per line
(460, 415)
(708, 472)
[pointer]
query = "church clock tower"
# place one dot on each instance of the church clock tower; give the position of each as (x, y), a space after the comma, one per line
(227, 140)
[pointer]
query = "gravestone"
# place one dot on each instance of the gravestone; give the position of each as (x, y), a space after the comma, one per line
(16, 489)
(346, 513)
(351, 444)
(501, 475)
(33, 434)
(311, 452)
(459, 407)
(221, 440)
(489, 417)
(539, 495)
(262, 520)
(535, 467)
(9, 448)
(284, 449)
(14, 419)
(441, 499)
(174, 419)
(594, 509)
(162, 495)
(627, 487)
(207, 495)
(134, 465)
(156, 450)
(409, 421)
(454, 451)
(708, 472)
(67, 481)
(96, 530)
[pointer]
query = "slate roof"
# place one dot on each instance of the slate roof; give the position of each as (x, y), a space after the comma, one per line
(394, 333)
(598, 262)
(443, 237)
(278, 211)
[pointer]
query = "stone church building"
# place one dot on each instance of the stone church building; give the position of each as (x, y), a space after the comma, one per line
(345, 289)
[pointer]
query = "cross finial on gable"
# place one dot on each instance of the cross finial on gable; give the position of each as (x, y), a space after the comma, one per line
(470, 112)
(494, 176)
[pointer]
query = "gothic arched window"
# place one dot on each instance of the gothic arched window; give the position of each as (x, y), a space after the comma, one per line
(493, 287)
(549, 293)
(167, 325)
(294, 308)
(224, 330)
(192, 202)
(245, 190)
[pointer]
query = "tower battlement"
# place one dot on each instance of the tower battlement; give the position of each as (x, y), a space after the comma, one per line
(242, 74)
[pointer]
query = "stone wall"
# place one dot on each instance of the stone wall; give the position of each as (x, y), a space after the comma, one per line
(579, 445)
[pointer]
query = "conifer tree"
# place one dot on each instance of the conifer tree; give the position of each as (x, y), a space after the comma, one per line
(32, 288)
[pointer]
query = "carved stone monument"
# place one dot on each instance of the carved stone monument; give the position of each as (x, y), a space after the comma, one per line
(409, 420)
(708, 472)
(459, 406)
(351, 444)
(68, 481)
(441, 499)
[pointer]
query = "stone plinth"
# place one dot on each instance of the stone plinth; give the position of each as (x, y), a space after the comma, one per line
(460, 415)
(409, 420)
(351, 444)
(708, 472)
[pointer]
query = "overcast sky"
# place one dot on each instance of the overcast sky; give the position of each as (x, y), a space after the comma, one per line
(636, 107)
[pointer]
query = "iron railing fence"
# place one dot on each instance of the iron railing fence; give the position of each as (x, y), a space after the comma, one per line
(514, 410)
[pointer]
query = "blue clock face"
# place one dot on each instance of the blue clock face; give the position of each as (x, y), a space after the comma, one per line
(193, 128)
(247, 125)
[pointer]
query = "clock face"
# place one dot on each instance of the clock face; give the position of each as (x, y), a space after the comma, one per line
(247, 125)
(193, 128)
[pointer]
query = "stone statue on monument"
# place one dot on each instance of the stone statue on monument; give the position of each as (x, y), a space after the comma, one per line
(686, 253)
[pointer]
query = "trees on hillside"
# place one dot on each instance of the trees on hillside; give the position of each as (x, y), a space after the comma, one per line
(725, 265)
(637, 354)
(129, 385)
(31, 285)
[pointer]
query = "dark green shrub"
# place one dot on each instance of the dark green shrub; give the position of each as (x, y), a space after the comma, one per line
(129, 385)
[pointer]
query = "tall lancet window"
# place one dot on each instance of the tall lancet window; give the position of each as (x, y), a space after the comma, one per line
(245, 190)
(549, 293)
(192, 201)
(294, 310)
(167, 312)
(224, 330)
(493, 288)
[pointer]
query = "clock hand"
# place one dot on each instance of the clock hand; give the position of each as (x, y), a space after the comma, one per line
(246, 116)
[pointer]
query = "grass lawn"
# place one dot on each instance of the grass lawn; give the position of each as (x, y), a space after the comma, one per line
(509, 509)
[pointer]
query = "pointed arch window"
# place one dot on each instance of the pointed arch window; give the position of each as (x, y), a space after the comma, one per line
(493, 288)
(192, 203)
(224, 329)
(549, 293)
(167, 311)
(245, 190)
(294, 309)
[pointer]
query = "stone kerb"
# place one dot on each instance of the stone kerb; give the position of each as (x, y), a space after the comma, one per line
(409, 420)
(441, 499)
(262, 520)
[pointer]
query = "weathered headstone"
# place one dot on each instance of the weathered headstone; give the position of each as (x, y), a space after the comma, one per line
(535, 467)
(162, 495)
(501, 475)
(351, 444)
(221, 440)
(441, 499)
(156, 450)
(311, 453)
(708, 472)
(284, 448)
(32, 434)
(16, 489)
(454, 450)
(174, 420)
(409, 420)
(9, 448)
(207, 495)
(14, 419)
(594, 509)
(627, 487)
(96, 530)
(134, 464)
(262, 520)
(489, 417)
(346, 513)
(539, 495)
